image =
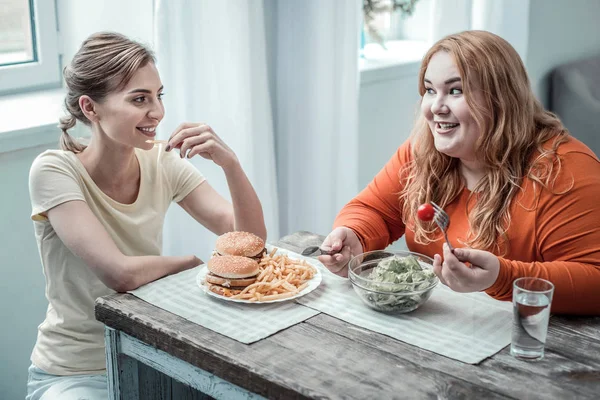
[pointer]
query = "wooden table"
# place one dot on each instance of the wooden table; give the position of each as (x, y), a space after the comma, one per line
(324, 357)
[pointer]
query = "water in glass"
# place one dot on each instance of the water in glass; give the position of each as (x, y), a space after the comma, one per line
(531, 312)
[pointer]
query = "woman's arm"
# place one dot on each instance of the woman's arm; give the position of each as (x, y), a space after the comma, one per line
(567, 237)
(247, 210)
(576, 284)
(203, 203)
(89, 240)
(375, 214)
(214, 212)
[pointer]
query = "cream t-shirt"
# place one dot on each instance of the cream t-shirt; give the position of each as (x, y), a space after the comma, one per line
(70, 341)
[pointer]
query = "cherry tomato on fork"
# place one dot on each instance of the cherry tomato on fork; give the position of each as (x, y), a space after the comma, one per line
(425, 212)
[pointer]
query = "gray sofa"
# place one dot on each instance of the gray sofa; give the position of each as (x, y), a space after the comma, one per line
(575, 98)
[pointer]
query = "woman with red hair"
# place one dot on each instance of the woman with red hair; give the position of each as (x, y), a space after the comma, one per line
(521, 193)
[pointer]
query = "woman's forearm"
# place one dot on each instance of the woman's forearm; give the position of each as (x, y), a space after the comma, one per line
(247, 210)
(139, 270)
(576, 283)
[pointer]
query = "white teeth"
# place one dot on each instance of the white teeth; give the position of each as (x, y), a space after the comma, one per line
(447, 126)
(147, 129)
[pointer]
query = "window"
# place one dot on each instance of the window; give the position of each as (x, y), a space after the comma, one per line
(28, 45)
(395, 38)
(399, 26)
(416, 26)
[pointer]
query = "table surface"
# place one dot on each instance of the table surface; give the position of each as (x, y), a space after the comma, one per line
(324, 357)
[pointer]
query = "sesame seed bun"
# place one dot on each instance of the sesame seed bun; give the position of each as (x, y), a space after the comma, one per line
(233, 267)
(239, 243)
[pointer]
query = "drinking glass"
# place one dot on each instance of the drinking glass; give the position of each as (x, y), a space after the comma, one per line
(531, 312)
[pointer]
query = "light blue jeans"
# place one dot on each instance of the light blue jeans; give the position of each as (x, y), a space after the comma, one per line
(44, 386)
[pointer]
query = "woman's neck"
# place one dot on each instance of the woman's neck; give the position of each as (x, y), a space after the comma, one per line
(110, 165)
(472, 172)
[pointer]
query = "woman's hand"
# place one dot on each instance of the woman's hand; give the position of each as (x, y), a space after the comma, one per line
(195, 138)
(343, 239)
(453, 273)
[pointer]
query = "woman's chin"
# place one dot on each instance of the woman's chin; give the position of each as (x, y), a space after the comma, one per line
(447, 149)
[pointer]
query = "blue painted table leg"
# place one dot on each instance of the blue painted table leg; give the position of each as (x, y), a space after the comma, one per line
(121, 371)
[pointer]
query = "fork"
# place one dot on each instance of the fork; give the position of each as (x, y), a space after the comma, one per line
(313, 250)
(442, 220)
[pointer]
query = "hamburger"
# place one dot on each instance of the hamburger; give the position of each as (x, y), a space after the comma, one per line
(234, 264)
(229, 275)
(240, 243)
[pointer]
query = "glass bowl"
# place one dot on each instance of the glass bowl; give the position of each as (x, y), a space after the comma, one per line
(389, 296)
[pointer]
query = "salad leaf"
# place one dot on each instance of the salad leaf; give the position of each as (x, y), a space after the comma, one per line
(397, 275)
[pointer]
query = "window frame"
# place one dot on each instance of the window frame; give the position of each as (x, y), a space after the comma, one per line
(44, 73)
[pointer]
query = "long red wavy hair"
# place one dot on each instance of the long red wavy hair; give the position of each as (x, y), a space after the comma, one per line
(514, 126)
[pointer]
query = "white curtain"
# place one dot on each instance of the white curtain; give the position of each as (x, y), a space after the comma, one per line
(278, 81)
(316, 110)
(213, 64)
(508, 19)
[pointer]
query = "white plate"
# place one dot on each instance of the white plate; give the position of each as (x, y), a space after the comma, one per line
(312, 285)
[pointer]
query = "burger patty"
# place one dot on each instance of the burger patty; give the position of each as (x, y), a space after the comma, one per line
(260, 255)
(223, 291)
(229, 282)
(257, 257)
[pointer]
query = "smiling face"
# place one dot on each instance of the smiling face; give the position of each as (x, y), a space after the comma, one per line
(445, 108)
(130, 116)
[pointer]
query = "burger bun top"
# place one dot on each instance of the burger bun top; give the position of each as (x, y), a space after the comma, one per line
(233, 267)
(239, 243)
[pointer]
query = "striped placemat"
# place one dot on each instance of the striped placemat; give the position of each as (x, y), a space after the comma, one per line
(245, 323)
(468, 327)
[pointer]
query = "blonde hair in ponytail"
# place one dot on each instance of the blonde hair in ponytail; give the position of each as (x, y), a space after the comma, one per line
(66, 141)
(105, 63)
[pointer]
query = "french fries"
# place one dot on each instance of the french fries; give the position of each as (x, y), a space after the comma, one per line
(279, 277)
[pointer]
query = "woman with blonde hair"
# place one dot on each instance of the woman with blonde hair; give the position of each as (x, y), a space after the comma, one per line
(521, 193)
(98, 210)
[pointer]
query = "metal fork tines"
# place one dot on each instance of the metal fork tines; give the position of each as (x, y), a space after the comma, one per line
(318, 251)
(442, 220)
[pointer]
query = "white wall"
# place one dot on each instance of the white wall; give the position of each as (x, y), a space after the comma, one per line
(387, 113)
(560, 32)
(22, 283)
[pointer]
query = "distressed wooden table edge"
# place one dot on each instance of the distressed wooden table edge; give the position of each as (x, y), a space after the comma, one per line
(125, 384)
(239, 375)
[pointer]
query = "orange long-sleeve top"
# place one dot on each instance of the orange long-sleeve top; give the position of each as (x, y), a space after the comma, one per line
(554, 234)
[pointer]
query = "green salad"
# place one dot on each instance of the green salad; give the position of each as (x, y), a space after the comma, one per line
(395, 275)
